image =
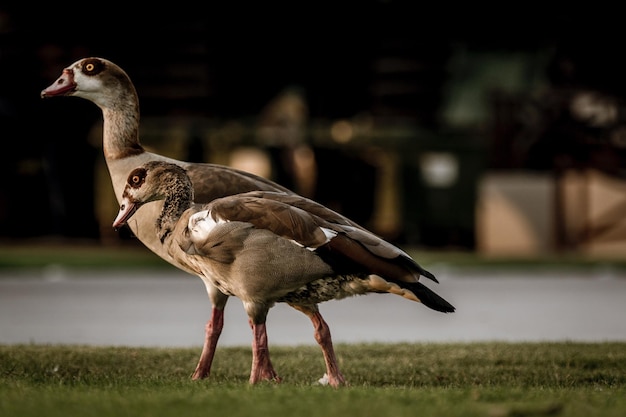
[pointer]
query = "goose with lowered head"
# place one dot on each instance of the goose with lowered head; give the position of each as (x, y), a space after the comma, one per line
(266, 247)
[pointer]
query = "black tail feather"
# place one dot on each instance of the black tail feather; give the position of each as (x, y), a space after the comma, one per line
(428, 275)
(412, 265)
(428, 297)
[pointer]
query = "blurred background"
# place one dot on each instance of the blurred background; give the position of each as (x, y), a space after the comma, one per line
(500, 132)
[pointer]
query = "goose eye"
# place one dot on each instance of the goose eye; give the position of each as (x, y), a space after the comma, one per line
(136, 177)
(92, 67)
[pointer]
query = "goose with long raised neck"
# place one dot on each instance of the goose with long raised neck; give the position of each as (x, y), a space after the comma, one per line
(266, 247)
(109, 87)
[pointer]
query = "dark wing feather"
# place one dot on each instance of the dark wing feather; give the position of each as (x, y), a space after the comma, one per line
(325, 217)
(280, 218)
(215, 181)
(307, 205)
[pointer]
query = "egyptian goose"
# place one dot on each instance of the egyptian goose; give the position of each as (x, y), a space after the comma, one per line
(266, 247)
(110, 88)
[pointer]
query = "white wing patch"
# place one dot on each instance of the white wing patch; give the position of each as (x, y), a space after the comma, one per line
(327, 232)
(201, 224)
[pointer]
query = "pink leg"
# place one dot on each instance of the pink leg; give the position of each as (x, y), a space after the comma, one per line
(262, 368)
(322, 335)
(213, 330)
(323, 338)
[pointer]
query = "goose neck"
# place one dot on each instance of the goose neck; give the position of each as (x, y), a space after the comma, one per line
(173, 209)
(121, 134)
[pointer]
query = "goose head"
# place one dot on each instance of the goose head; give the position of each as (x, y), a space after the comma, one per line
(155, 181)
(96, 79)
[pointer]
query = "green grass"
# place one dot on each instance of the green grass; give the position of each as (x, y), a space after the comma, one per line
(473, 379)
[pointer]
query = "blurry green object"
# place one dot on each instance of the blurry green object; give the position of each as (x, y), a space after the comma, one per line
(87, 256)
(131, 256)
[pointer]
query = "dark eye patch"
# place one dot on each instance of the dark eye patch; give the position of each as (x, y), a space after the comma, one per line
(92, 66)
(137, 177)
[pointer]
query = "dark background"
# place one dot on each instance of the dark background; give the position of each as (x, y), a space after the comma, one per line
(226, 61)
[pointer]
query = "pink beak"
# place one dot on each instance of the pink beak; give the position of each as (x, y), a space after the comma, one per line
(63, 86)
(127, 209)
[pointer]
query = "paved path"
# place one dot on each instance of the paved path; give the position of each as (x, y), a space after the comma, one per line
(170, 308)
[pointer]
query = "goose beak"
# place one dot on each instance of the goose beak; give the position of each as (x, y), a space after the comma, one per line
(127, 209)
(63, 86)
